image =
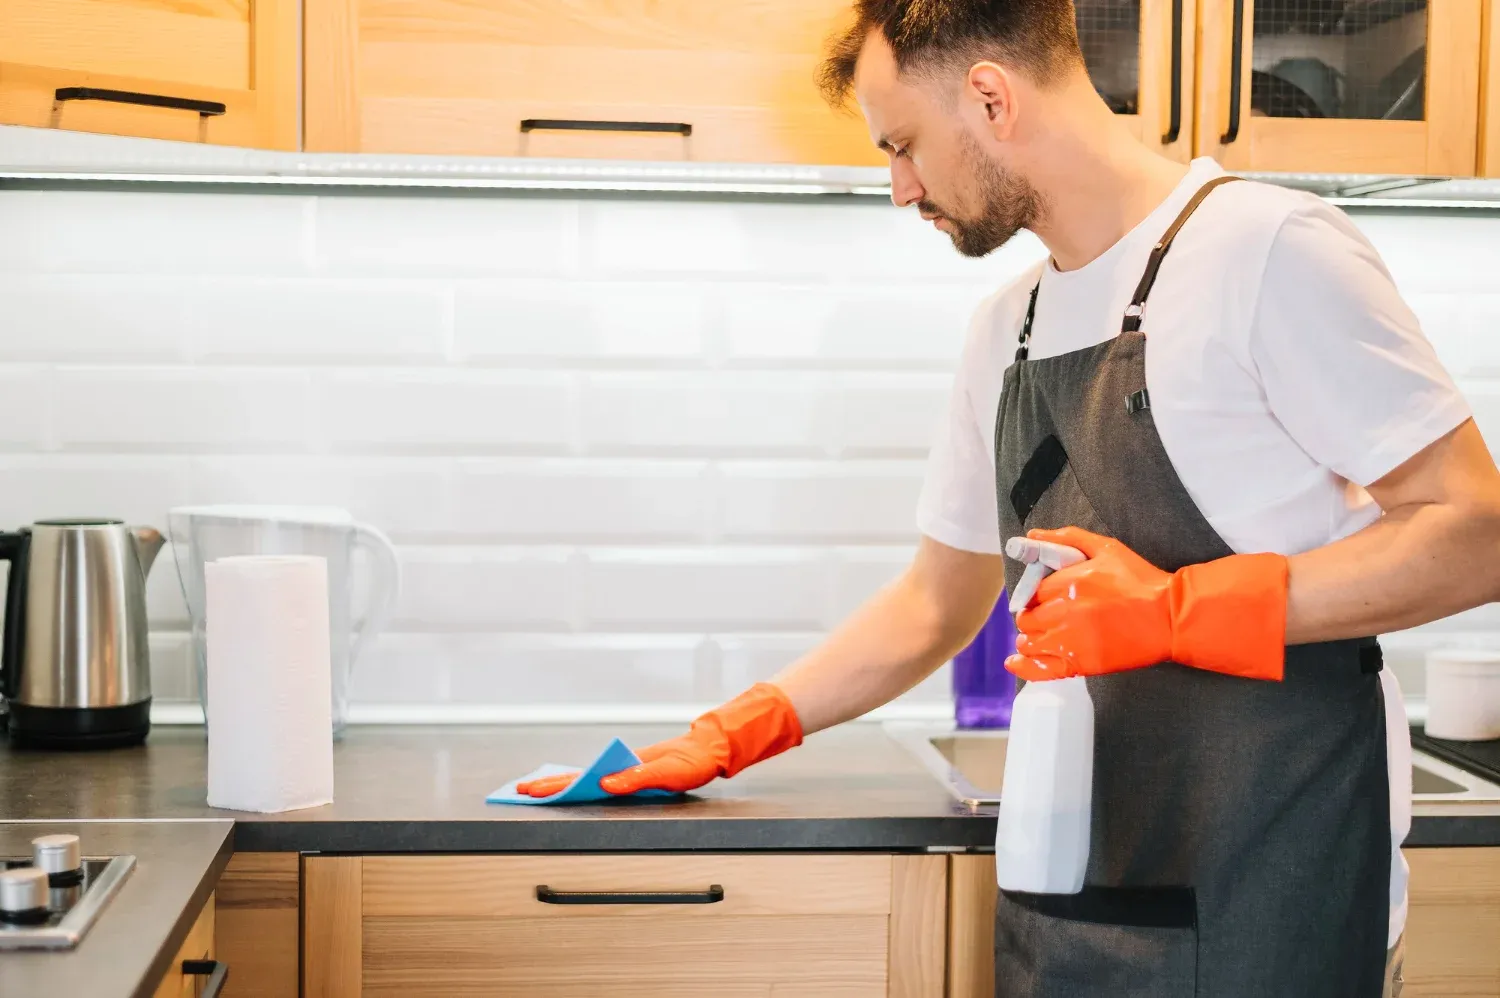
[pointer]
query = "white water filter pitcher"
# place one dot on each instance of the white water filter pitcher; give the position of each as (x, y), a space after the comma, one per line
(201, 534)
(1042, 836)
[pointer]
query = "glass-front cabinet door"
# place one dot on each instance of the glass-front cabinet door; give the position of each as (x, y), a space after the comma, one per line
(1340, 86)
(1140, 56)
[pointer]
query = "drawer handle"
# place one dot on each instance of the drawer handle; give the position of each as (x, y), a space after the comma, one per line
(579, 125)
(547, 895)
(1236, 70)
(205, 108)
(217, 972)
(1174, 127)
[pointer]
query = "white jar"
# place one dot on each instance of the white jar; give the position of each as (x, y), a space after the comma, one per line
(1463, 694)
(1042, 837)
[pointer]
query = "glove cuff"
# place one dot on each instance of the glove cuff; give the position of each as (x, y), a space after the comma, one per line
(1229, 616)
(756, 725)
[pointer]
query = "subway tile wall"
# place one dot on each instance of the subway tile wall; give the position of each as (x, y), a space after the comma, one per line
(633, 453)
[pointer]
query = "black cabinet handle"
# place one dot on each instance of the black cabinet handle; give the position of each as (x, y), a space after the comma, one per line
(579, 125)
(205, 108)
(1236, 71)
(217, 972)
(1174, 126)
(547, 895)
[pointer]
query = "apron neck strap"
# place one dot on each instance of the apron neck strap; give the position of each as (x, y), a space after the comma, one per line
(1137, 307)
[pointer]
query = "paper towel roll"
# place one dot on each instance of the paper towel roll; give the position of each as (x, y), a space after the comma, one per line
(270, 729)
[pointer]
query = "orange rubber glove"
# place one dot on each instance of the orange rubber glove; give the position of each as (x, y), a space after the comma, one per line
(1117, 611)
(757, 724)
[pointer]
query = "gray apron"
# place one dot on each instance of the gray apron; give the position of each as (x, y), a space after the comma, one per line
(1241, 841)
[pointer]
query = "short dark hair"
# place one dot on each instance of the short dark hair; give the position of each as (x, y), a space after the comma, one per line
(1039, 37)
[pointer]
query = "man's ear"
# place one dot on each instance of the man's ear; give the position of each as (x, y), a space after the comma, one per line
(992, 88)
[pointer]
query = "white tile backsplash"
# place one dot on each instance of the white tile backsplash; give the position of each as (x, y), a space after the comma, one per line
(631, 451)
(181, 408)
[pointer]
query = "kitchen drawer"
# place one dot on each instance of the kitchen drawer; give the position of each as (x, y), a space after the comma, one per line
(239, 53)
(199, 945)
(787, 926)
(409, 76)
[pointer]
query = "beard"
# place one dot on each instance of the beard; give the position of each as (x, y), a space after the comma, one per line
(1010, 204)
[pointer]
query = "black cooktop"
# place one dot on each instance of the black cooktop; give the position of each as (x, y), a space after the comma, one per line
(1482, 758)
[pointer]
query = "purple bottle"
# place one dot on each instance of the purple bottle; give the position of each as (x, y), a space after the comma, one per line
(983, 692)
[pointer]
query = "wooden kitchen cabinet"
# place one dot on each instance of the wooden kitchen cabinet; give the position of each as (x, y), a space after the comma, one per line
(256, 928)
(1453, 928)
(1489, 94)
(238, 54)
(412, 76)
(1140, 56)
(785, 926)
(1368, 86)
(199, 945)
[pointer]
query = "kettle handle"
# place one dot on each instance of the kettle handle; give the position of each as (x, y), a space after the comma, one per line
(13, 548)
(384, 592)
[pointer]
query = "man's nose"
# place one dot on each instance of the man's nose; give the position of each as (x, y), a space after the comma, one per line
(905, 187)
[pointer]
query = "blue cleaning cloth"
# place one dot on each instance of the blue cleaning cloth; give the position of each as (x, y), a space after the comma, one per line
(583, 790)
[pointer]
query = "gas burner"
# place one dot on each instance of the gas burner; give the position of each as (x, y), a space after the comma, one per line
(50, 899)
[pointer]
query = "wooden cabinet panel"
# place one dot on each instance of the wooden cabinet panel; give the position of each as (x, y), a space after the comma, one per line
(412, 76)
(1443, 143)
(240, 53)
(557, 957)
(789, 926)
(256, 929)
(199, 945)
(972, 894)
(1453, 928)
(498, 886)
(1144, 65)
(1489, 94)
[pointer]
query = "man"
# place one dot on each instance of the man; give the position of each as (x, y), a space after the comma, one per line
(1213, 389)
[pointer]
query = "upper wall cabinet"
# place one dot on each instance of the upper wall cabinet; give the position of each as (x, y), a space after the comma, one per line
(1139, 54)
(222, 71)
(1340, 86)
(615, 79)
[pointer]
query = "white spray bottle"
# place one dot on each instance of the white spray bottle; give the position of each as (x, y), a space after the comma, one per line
(1042, 839)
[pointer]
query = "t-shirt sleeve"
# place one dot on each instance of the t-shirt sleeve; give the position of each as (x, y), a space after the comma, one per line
(957, 503)
(1342, 358)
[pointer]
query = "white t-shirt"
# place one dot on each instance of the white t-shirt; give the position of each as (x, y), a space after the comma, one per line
(1285, 374)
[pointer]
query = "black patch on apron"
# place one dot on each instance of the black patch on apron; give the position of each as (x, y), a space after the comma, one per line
(1143, 907)
(1371, 658)
(1041, 470)
(1137, 401)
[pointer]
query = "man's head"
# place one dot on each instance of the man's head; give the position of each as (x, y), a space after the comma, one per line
(951, 90)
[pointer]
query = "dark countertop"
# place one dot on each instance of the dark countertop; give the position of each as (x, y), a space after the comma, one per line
(422, 789)
(399, 789)
(131, 946)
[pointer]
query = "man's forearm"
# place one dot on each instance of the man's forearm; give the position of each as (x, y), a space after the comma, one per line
(1434, 553)
(1411, 567)
(896, 639)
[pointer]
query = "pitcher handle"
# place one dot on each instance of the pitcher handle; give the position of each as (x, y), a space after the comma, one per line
(385, 591)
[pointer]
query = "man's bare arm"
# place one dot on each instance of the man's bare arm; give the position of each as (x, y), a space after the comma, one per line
(897, 638)
(1434, 552)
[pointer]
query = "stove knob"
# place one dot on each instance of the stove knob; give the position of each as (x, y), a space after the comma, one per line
(58, 856)
(23, 896)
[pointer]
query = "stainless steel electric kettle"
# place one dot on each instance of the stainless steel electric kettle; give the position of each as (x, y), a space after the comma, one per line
(76, 668)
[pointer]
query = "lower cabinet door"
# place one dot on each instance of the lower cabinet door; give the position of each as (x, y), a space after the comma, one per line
(625, 926)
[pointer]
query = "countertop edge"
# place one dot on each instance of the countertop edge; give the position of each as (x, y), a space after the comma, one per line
(187, 917)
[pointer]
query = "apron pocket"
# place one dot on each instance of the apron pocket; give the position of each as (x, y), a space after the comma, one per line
(1123, 942)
